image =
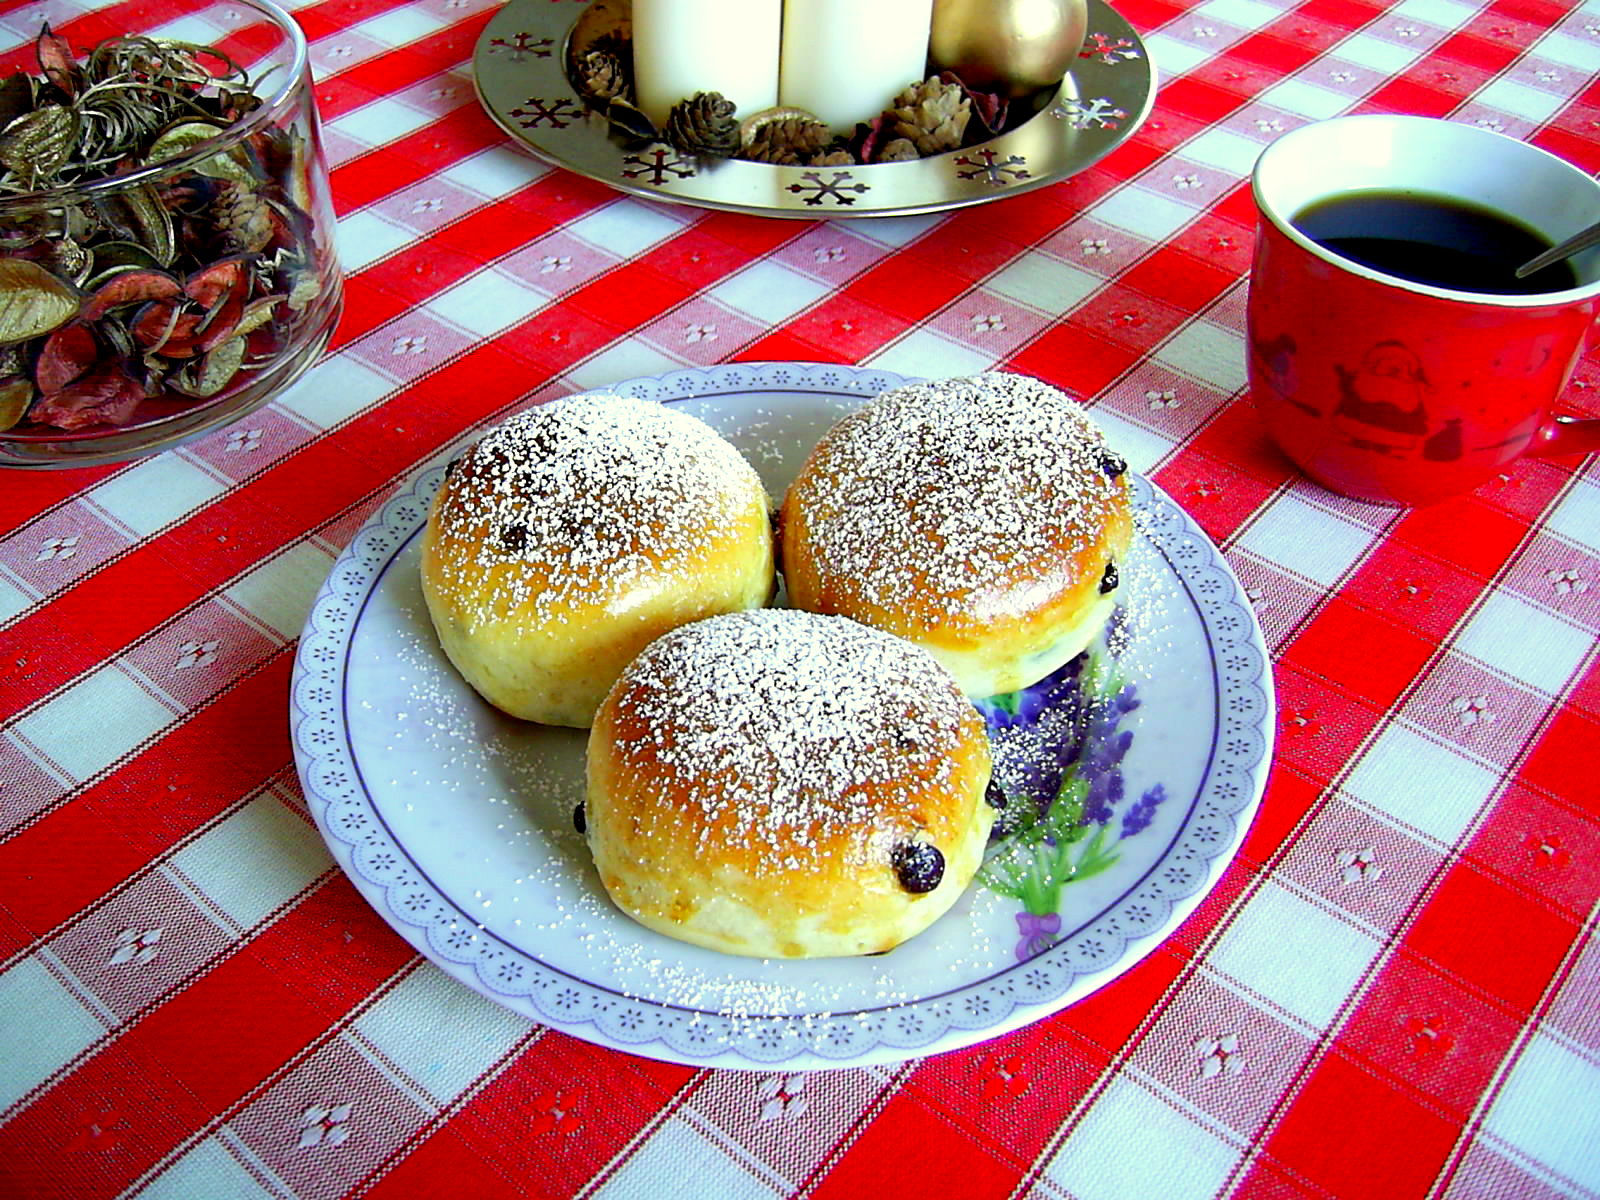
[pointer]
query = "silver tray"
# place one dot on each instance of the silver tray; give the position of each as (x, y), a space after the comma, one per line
(520, 73)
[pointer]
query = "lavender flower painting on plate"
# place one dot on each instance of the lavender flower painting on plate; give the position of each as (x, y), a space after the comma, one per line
(1059, 746)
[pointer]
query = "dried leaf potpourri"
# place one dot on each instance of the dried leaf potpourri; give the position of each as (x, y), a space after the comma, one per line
(122, 302)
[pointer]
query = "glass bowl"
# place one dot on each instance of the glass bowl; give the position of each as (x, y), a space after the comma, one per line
(148, 306)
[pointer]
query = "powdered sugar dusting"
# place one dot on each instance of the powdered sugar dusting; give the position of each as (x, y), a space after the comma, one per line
(965, 488)
(586, 495)
(777, 723)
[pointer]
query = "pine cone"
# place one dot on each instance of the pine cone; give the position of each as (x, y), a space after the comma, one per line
(704, 125)
(604, 77)
(241, 220)
(932, 114)
(790, 140)
(834, 158)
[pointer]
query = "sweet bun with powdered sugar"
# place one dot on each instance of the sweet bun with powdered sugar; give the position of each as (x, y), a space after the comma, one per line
(983, 518)
(782, 784)
(577, 532)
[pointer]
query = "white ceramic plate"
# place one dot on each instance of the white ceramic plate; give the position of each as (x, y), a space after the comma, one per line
(456, 822)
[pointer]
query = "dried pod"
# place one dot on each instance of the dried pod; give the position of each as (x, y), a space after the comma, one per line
(69, 261)
(69, 354)
(56, 61)
(834, 158)
(257, 314)
(899, 150)
(932, 114)
(32, 301)
(213, 372)
(154, 325)
(783, 136)
(211, 283)
(141, 218)
(306, 288)
(130, 286)
(106, 396)
(37, 144)
(242, 220)
(630, 121)
(16, 394)
(221, 323)
(116, 337)
(16, 97)
(183, 137)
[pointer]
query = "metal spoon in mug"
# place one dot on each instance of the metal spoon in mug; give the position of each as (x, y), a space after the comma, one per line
(1581, 240)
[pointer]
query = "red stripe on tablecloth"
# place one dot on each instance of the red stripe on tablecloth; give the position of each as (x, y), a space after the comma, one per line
(401, 67)
(1390, 658)
(1544, 13)
(884, 285)
(1566, 753)
(574, 1107)
(23, 500)
(1569, 133)
(1291, 796)
(1200, 101)
(1220, 496)
(1179, 278)
(1347, 14)
(1075, 359)
(628, 297)
(335, 16)
(85, 848)
(967, 245)
(446, 1165)
(1501, 943)
(911, 1136)
(413, 158)
(1147, 15)
(1408, 96)
(138, 591)
(986, 1115)
(1033, 216)
(786, 346)
(1347, 1134)
(1321, 726)
(1378, 1114)
(200, 1052)
(1236, 439)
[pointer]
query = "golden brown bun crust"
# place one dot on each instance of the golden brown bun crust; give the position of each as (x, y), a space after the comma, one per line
(577, 532)
(750, 777)
(976, 517)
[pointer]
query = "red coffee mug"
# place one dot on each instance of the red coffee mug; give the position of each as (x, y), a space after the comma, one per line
(1401, 392)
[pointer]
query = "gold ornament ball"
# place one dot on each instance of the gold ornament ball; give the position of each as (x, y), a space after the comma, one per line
(1014, 47)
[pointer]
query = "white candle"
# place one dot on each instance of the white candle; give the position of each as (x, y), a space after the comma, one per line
(845, 60)
(681, 47)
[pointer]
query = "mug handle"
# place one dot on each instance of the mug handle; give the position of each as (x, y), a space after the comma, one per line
(1566, 435)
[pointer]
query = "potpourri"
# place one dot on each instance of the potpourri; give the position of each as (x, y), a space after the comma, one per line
(121, 302)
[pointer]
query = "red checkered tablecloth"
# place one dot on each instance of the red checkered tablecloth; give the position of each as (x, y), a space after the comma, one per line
(1395, 989)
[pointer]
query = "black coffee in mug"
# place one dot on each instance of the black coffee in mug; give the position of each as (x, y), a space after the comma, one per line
(1434, 240)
